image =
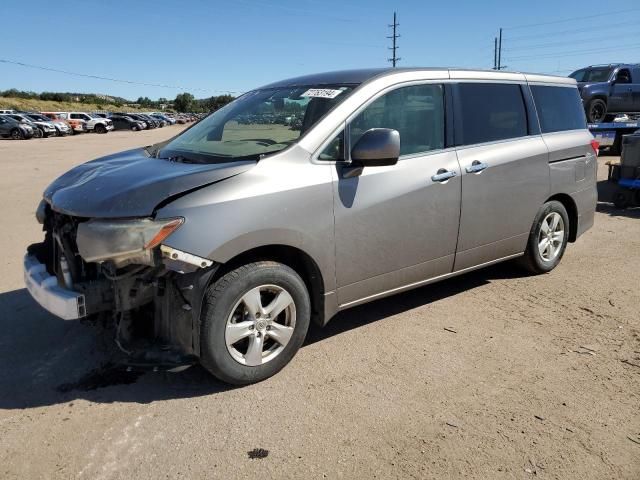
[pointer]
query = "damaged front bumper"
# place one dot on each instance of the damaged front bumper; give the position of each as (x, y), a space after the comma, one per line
(45, 289)
(148, 295)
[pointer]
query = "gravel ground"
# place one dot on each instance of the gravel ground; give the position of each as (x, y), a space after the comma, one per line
(494, 374)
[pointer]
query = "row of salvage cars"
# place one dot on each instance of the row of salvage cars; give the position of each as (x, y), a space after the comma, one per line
(20, 125)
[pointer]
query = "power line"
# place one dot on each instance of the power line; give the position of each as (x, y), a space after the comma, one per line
(617, 26)
(631, 46)
(118, 80)
(563, 44)
(585, 17)
(395, 47)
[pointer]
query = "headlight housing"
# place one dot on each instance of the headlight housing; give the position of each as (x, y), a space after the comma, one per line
(123, 242)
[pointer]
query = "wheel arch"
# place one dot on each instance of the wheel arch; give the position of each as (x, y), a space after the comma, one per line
(300, 261)
(572, 211)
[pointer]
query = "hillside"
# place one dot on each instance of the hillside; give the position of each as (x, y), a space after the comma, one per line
(30, 104)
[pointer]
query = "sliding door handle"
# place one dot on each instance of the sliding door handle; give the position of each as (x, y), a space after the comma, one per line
(443, 175)
(476, 167)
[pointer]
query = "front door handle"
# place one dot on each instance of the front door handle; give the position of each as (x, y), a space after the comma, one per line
(443, 175)
(476, 167)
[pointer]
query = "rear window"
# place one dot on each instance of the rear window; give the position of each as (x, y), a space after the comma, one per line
(559, 108)
(490, 112)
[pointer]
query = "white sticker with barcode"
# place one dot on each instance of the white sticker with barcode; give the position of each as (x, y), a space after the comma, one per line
(321, 93)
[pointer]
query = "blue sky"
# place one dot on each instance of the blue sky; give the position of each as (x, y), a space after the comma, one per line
(208, 47)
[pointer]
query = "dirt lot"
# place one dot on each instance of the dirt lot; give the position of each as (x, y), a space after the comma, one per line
(541, 377)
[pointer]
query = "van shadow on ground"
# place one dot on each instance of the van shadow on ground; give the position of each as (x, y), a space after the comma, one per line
(46, 361)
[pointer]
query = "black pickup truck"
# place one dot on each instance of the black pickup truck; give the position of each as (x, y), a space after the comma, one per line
(607, 90)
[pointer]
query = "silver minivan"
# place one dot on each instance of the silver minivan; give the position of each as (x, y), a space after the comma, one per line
(309, 196)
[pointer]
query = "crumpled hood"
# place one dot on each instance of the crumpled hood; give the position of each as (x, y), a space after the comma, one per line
(131, 184)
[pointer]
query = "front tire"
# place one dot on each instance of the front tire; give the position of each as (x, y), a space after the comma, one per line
(100, 128)
(254, 320)
(548, 239)
(37, 133)
(16, 134)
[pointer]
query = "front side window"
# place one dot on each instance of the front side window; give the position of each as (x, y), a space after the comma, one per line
(623, 76)
(490, 112)
(559, 108)
(416, 112)
(258, 123)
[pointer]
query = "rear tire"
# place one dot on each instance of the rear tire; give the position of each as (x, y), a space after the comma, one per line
(244, 305)
(596, 110)
(547, 240)
(37, 133)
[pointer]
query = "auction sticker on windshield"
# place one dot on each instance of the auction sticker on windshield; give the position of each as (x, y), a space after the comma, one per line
(321, 93)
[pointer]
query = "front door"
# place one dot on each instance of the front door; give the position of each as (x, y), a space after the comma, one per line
(621, 98)
(398, 225)
(505, 172)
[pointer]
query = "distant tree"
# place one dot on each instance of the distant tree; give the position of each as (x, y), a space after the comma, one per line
(183, 102)
(145, 101)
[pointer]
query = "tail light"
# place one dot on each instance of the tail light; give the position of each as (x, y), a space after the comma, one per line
(596, 146)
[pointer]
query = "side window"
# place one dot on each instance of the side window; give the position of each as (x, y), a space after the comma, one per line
(74, 116)
(416, 112)
(559, 108)
(490, 112)
(623, 76)
(335, 150)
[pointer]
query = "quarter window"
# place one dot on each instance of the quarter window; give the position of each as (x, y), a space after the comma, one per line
(335, 150)
(416, 112)
(559, 108)
(490, 112)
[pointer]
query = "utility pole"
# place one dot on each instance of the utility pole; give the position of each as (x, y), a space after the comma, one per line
(495, 53)
(394, 59)
(500, 50)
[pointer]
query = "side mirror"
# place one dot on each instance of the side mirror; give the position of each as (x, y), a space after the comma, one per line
(378, 147)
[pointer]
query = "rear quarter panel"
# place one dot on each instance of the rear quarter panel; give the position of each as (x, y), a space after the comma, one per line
(573, 166)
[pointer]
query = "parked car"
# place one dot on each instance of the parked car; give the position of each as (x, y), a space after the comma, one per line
(93, 123)
(76, 126)
(62, 128)
(3, 112)
(608, 90)
(140, 118)
(166, 118)
(126, 123)
(40, 129)
(150, 120)
(226, 247)
(161, 119)
(11, 128)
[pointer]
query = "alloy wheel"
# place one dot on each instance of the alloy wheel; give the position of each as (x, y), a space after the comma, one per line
(260, 325)
(551, 236)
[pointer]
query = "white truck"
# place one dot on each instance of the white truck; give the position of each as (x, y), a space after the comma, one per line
(94, 123)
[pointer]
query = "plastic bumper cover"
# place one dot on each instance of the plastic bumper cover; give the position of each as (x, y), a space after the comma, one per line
(44, 288)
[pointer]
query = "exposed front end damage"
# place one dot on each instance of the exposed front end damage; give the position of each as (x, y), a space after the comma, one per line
(118, 270)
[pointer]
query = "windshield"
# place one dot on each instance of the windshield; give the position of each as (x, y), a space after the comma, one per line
(93, 115)
(258, 123)
(39, 118)
(591, 75)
